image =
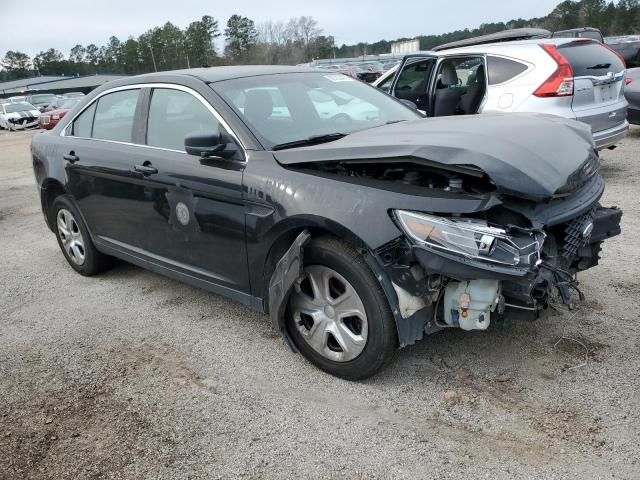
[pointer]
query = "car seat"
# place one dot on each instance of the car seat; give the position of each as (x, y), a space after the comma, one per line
(470, 101)
(447, 94)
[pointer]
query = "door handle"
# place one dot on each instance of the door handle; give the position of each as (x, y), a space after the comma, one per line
(71, 157)
(146, 168)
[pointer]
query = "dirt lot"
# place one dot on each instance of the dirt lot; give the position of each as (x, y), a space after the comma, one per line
(132, 375)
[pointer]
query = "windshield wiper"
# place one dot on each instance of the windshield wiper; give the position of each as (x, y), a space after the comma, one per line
(312, 140)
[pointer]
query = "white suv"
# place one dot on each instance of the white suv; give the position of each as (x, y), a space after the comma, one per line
(573, 78)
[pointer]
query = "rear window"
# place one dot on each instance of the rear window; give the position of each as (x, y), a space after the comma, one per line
(591, 34)
(503, 69)
(591, 59)
(43, 98)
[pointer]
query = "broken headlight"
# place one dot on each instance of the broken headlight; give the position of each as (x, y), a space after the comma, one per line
(466, 237)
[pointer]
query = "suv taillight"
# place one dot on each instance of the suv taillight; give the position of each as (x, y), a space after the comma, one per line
(560, 83)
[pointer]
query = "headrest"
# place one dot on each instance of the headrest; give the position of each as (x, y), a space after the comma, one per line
(258, 105)
(449, 75)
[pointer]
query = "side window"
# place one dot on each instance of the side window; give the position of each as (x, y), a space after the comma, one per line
(503, 69)
(414, 77)
(114, 116)
(173, 114)
(83, 124)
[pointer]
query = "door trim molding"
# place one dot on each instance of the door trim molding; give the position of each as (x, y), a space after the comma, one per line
(175, 270)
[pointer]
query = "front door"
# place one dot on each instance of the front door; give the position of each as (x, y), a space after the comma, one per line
(193, 210)
(412, 81)
(143, 196)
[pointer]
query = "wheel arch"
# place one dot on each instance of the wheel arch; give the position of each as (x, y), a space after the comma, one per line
(284, 261)
(50, 189)
(284, 234)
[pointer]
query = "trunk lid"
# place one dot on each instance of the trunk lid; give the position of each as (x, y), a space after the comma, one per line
(598, 98)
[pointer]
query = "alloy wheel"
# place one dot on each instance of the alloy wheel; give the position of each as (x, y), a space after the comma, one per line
(71, 236)
(329, 314)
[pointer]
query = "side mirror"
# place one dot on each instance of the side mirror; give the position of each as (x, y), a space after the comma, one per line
(209, 144)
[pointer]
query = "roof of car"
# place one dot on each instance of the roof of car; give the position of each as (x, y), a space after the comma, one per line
(579, 29)
(217, 74)
(503, 36)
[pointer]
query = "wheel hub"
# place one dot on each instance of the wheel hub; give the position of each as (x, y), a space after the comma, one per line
(329, 314)
(70, 236)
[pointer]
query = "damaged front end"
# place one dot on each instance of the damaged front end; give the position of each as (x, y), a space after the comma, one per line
(460, 270)
(487, 221)
(22, 122)
(467, 270)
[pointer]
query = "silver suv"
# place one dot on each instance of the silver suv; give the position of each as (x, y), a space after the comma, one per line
(573, 78)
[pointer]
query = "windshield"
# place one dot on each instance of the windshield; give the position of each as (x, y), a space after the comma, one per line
(43, 98)
(292, 107)
(18, 107)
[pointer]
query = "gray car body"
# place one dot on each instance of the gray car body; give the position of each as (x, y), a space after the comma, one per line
(632, 93)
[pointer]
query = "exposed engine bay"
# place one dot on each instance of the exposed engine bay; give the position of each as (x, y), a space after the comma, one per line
(463, 270)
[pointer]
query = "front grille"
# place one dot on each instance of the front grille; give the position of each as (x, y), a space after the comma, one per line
(574, 234)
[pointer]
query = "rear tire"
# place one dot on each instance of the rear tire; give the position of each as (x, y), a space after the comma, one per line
(338, 314)
(74, 239)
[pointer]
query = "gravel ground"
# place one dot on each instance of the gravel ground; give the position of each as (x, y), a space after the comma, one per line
(132, 375)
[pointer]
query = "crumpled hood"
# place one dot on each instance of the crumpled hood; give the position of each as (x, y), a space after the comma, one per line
(530, 155)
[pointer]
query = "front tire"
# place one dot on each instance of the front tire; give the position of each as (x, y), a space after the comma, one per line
(338, 315)
(74, 239)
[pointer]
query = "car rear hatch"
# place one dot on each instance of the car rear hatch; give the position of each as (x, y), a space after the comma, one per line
(598, 97)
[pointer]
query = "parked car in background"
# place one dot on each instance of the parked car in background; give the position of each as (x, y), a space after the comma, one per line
(41, 100)
(18, 116)
(58, 102)
(16, 99)
(353, 70)
(357, 238)
(632, 92)
(582, 32)
(572, 78)
(50, 118)
(628, 47)
(73, 95)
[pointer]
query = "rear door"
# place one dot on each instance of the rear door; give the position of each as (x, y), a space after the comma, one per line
(598, 98)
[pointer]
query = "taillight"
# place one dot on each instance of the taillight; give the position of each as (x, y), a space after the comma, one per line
(560, 83)
(627, 81)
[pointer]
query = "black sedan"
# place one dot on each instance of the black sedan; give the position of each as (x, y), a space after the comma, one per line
(355, 223)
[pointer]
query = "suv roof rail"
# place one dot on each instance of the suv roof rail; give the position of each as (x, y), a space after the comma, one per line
(504, 36)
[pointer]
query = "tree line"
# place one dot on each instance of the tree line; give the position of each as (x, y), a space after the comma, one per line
(612, 18)
(297, 40)
(169, 47)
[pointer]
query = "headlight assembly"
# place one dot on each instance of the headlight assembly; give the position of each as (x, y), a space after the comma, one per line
(469, 238)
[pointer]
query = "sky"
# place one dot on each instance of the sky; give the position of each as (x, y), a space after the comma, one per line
(37, 25)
